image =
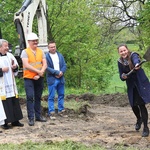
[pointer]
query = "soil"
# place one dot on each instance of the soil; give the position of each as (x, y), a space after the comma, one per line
(107, 120)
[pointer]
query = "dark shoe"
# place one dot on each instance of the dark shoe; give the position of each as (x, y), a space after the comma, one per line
(41, 119)
(5, 126)
(138, 124)
(145, 132)
(31, 122)
(17, 124)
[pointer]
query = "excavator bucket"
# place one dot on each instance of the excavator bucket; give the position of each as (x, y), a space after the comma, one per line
(147, 54)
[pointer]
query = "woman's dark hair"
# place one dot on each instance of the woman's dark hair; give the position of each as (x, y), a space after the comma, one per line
(122, 45)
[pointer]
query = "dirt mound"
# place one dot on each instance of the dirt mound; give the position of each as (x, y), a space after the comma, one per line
(114, 100)
(117, 100)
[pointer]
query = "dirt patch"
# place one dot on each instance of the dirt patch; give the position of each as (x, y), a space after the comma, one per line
(108, 121)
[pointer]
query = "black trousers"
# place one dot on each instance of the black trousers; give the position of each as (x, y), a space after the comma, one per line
(139, 108)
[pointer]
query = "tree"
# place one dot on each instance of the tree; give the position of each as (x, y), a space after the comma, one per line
(118, 15)
(78, 37)
(7, 11)
(144, 20)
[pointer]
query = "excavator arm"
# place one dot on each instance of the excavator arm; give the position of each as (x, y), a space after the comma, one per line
(23, 20)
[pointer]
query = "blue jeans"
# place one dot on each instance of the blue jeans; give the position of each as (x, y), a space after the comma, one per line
(34, 89)
(59, 88)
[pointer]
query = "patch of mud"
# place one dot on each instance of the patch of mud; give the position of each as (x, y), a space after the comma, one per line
(108, 121)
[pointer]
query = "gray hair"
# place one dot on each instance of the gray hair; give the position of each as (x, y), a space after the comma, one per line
(2, 41)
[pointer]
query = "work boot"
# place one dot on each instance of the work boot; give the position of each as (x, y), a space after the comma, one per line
(31, 122)
(138, 124)
(41, 119)
(145, 132)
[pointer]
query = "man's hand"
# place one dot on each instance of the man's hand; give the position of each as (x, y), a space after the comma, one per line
(60, 74)
(41, 73)
(14, 66)
(36, 77)
(5, 69)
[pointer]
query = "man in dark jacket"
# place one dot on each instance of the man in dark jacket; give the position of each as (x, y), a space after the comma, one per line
(56, 68)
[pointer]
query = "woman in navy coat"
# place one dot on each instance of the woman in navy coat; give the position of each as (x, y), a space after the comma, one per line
(138, 86)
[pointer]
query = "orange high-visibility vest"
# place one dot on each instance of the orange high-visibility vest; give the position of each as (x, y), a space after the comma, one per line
(35, 61)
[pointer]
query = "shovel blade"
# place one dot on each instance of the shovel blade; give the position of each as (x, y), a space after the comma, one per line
(147, 55)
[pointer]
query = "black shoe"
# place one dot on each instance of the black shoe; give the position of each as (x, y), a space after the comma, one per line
(138, 124)
(31, 122)
(145, 132)
(41, 119)
(17, 124)
(5, 126)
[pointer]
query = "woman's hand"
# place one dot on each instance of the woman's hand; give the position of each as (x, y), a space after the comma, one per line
(124, 76)
(137, 67)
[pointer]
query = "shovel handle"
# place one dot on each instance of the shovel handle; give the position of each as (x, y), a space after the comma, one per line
(143, 61)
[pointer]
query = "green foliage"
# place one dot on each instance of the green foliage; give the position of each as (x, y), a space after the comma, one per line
(75, 104)
(122, 147)
(82, 36)
(7, 11)
(20, 87)
(77, 91)
(78, 38)
(125, 36)
(144, 21)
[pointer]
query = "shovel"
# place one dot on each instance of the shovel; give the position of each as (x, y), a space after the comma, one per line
(146, 58)
(147, 55)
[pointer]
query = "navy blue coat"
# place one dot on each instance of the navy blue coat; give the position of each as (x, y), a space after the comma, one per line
(136, 79)
(51, 72)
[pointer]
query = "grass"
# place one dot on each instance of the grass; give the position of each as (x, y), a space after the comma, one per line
(66, 145)
(116, 85)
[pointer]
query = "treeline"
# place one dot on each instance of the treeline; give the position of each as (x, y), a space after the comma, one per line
(86, 33)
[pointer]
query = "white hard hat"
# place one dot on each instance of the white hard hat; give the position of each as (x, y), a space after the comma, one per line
(32, 36)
